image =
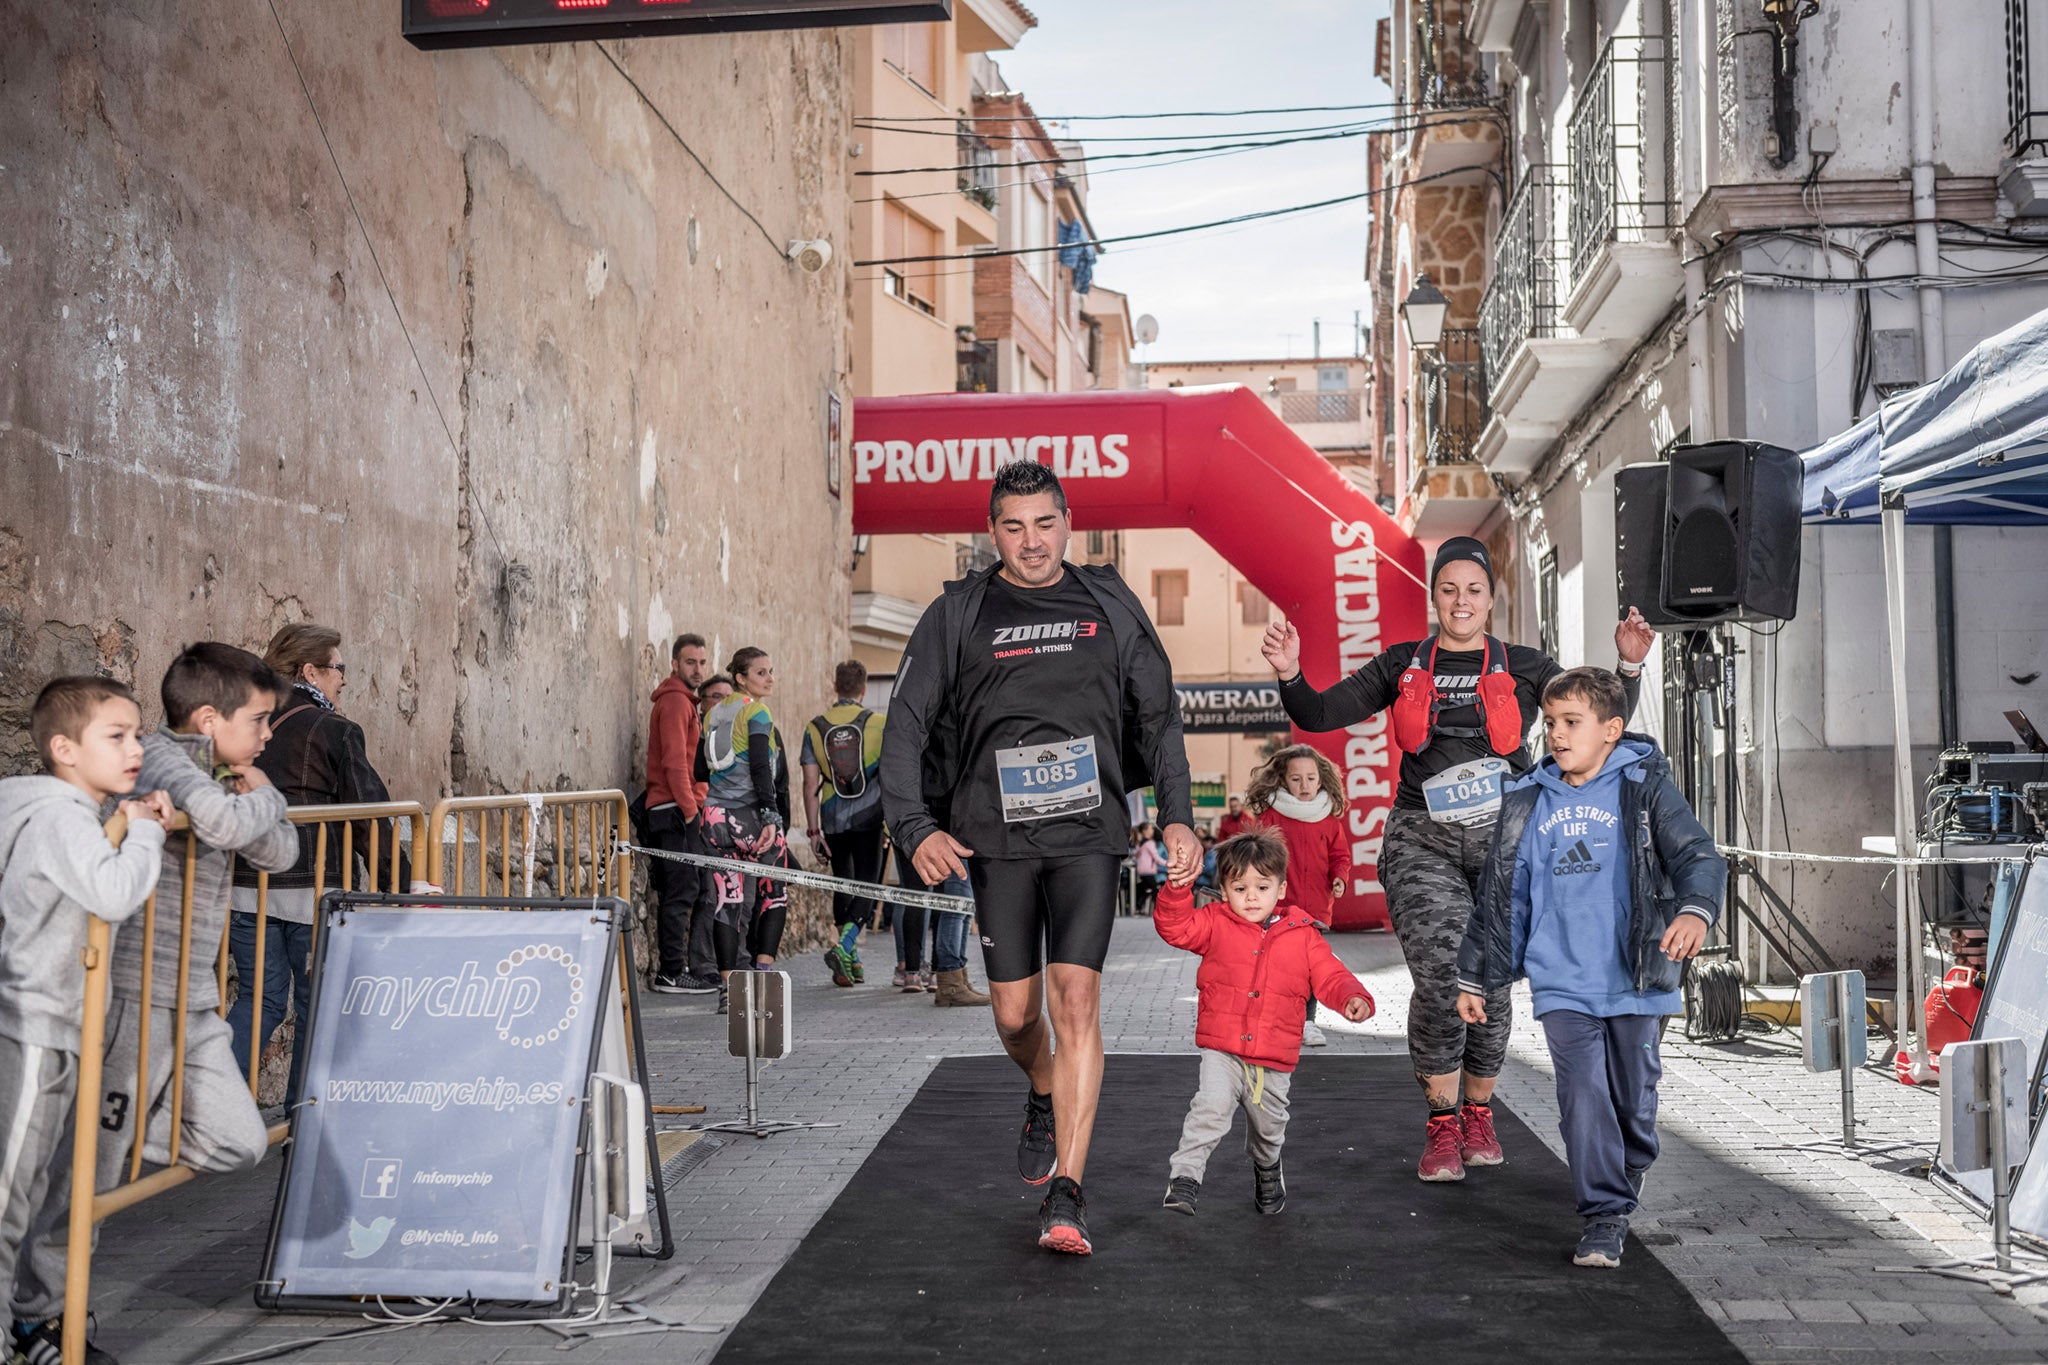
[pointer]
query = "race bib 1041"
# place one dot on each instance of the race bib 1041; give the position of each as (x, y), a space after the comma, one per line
(1466, 793)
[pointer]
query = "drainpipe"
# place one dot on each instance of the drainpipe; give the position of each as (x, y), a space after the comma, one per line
(1695, 67)
(1926, 249)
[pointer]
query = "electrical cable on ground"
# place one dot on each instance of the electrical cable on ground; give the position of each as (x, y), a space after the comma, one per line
(1714, 1011)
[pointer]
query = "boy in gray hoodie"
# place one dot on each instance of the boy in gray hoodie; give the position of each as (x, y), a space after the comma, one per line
(58, 866)
(217, 707)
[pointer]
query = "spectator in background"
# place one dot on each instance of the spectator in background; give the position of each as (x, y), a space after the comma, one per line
(842, 758)
(1151, 867)
(1236, 819)
(1207, 876)
(748, 815)
(686, 962)
(1299, 793)
(316, 757)
(716, 689)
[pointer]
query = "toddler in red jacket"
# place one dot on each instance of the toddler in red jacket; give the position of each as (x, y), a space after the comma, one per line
(1262, 962)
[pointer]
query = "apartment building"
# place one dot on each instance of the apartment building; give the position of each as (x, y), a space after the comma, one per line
(1683, 223)
(1024, 318)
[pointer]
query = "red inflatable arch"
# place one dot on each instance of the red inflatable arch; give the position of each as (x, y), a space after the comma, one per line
(1214, 460)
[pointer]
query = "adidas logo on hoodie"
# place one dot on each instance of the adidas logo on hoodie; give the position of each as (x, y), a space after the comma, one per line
(1578, 861)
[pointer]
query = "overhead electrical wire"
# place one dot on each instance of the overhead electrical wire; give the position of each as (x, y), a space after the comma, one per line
(1183, 113)
(1098, 242)
(889, 127)
(1363, 130)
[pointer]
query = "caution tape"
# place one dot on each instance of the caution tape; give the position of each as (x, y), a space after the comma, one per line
(1868, 860)
(796, 876)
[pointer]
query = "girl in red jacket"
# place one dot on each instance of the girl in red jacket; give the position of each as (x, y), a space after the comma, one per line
(1262, 963)
(1299, 794)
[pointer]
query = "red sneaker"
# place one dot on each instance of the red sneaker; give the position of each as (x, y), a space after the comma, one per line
(1440, 1159)
(1479, 1145)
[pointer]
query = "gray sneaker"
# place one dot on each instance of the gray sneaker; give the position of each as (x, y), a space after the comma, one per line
(1600, 1244)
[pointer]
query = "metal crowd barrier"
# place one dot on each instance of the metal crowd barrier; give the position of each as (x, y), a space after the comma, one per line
(89, 1206)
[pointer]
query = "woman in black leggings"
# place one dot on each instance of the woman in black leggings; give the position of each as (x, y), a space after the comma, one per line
(746, 814)
(1462, 704)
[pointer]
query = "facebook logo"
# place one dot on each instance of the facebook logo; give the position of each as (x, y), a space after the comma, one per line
(380, 1177)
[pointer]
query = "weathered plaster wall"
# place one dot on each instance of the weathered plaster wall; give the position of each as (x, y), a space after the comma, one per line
(600, 423)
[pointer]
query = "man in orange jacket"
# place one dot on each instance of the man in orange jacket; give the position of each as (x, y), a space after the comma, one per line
(686, 965)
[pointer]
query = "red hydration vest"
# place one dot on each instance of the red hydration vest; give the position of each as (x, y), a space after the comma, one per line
(1415, 709)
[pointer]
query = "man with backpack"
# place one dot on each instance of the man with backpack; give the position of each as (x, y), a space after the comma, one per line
(842, 755)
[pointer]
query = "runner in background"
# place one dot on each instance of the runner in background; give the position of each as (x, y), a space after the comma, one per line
(1034, 695)
(1462, 706)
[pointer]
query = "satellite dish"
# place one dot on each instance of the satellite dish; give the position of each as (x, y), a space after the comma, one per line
(1147, 330)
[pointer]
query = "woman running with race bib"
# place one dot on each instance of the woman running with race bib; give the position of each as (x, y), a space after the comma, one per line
(1462, 704)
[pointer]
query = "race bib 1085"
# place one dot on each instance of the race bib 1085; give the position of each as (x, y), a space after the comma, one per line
(1040, 781)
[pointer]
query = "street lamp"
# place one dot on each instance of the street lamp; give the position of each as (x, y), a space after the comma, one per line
(1422, 312)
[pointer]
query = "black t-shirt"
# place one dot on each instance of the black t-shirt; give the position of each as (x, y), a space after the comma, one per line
(1038, 673)
(1375, 687)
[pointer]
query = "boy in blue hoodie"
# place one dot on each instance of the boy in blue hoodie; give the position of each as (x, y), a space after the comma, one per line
(1599, 884)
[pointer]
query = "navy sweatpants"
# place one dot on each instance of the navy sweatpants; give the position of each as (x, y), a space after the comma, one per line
(1607, 1072)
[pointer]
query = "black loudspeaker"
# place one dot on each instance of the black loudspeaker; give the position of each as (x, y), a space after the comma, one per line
(1639, 541)
(1718, 541)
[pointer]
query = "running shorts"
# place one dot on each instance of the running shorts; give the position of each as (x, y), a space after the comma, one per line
(1036, 910)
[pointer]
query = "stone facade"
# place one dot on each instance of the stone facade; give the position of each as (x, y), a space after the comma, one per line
(553, 400)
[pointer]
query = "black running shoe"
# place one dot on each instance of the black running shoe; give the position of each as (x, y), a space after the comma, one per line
(42, 1343)
(1063, 1219)
(1037, 1152)
(1269, 1188)
(1183, 1193)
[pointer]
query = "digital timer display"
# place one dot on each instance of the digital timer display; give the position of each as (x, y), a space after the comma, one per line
(432, 24)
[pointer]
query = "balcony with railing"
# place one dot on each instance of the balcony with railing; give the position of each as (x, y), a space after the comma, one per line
(1452, 128)
(1625, 267)
(1540, 371)
(1328, 419)
(1449, 491)
(977, 162)
(2025, 183)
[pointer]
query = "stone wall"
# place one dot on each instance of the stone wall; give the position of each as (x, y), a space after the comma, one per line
(553, 400)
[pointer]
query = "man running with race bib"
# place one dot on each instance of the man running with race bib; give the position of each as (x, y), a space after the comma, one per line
(1043, 695)
(1462, 706)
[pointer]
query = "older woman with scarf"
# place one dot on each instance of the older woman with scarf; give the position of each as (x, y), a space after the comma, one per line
(316, 757)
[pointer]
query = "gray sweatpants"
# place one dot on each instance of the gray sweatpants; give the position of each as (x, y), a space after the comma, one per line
(38, 1087)
(1430, 872)
(1226, 1087)
(221, 1131)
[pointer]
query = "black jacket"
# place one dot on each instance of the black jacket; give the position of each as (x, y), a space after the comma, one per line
(1673, 869)
(921, 759)
(317, 757)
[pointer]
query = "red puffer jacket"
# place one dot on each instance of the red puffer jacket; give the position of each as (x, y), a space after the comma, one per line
(1255, 981)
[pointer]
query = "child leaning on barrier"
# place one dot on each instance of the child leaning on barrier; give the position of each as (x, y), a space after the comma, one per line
(58, 866)
(1262, 961)
(218, 702)
(1599, 883)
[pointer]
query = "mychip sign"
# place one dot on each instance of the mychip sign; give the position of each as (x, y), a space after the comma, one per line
(1230, 708)
(436, 1153)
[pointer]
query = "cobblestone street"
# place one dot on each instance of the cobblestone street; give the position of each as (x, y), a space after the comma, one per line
(1779, 1245)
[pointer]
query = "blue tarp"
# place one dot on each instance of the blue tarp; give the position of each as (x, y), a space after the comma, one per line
(1969, 449)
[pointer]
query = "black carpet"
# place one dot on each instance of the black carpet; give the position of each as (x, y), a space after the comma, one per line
(930, 1252)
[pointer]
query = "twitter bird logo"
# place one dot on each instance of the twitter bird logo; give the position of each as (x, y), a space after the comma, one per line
(367, 1241)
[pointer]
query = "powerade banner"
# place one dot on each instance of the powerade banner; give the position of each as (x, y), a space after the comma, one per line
(1217, 461)
(1230, 708)
(436, 1150)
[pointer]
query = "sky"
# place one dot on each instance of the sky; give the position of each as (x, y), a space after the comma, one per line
(1252, 291)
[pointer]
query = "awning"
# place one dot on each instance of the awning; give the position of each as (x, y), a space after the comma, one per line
(1969, 449)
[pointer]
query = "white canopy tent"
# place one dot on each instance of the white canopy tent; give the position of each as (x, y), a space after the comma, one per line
(1969, 449)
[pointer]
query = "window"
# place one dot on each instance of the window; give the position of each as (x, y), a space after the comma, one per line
(1034, 229)
(913, 50)
(903, 235)
(1096, 541)
(1170, 592)
(1254, 608)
